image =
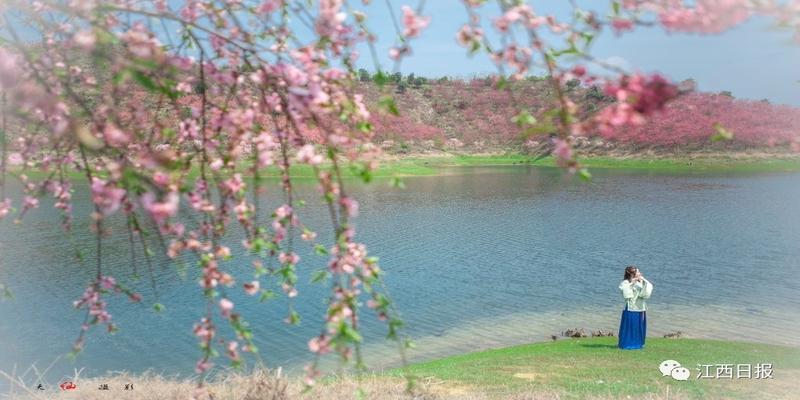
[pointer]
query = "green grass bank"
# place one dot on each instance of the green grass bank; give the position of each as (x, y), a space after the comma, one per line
(595, 368)
(417, 165)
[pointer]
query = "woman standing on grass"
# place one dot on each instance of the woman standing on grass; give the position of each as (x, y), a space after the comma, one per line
(633, 326)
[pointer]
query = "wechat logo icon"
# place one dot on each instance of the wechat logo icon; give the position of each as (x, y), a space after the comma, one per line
(673, 368)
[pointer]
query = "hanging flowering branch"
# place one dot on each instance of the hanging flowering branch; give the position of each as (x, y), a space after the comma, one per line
(161, 129)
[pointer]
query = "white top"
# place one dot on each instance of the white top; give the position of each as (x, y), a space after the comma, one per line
(636, 293)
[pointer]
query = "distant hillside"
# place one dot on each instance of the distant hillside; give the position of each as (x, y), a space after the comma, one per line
(473, 116)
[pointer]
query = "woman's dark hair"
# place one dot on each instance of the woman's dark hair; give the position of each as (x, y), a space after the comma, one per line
(630, 272)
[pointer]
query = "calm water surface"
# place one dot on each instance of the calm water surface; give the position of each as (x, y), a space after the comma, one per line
(485, 258)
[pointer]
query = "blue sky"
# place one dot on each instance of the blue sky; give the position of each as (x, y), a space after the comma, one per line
(754, 60)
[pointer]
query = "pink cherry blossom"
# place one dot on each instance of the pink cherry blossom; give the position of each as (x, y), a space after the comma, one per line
(265, 147)
(10, 69)
(413, 23)
(234, 185)
(5, 208)
(621, 25)
(29, 202)
(232, 350)
(114, 136)
(638, 96)
(469, 36)
(161, 210)
(396, 53)
(350, 205)
(268, 6)
(142, 43)
(288, 258)
(225, 307)
(283, 211)
(85, 39)
(107, 196)
(251, 288)
(108, 282)
(320, 344)
(308, 235)
(562, 151)
(202, 366)
(205, 330)
(15, 159)
(307, 155)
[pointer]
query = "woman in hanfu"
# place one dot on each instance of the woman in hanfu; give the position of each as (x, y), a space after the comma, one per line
(633, 326)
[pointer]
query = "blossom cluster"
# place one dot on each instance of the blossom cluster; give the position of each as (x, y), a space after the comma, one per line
(97, 311)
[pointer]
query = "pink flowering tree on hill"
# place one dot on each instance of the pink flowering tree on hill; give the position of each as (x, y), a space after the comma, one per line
(179, 107)
(700, 118)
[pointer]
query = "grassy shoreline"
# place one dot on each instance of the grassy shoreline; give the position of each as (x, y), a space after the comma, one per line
(438, 164)
(583, 368)
(588, 367)
(688, 163)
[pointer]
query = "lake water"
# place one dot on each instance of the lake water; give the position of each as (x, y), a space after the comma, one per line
(481, 258)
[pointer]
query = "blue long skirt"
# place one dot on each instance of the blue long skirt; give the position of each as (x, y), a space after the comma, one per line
(632, 329)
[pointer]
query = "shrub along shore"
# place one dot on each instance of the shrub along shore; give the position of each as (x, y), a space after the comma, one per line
(583, 368)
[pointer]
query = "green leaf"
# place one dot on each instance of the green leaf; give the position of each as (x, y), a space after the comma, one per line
(387, 104)
(502, 83)
(380, 78)
(267, 295)
(104, 37)
(168, 133)
(148, 83)
(361, 171)
(5, 293)
(365, 127)
(524, 118)
(293, 318)
(320, 250)
(120, 76)
(588, 38)
(722, 133)
(320, 276)
(571, 50)
(131, 180)
(584, 174)
(476, 45)
(144, 80)
(351, 333)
